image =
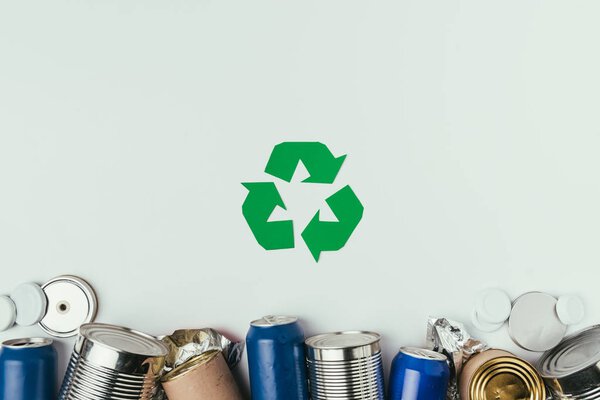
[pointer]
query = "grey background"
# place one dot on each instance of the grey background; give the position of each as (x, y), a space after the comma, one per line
(471, 129)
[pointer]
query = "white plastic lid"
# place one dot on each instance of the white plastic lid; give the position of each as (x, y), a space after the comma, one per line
(484, 326)
(570, 309)
(31, 303)
(8, 313)
(493, 306)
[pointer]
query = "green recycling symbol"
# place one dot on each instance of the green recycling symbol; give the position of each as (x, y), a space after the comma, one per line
(263, 198)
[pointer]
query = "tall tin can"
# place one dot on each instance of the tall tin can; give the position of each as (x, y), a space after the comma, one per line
(28, 369)
(419, 374)
(275, 346)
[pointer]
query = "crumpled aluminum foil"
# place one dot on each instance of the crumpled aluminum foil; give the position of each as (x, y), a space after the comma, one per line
(451, 339)
(185, 344)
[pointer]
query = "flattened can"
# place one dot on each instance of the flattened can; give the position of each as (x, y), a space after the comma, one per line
(275, 346)
(498, 374)
(419, 374)
(28, 369)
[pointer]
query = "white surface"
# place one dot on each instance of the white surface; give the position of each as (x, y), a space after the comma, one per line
(570, 309)
(493, 306)
(8, 313)
(30, 301)
(471, 128)
(481, 325)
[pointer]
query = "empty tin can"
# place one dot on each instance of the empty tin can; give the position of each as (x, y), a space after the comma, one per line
(275, 346)
(498, 374)
(113, 363)
(572, 369)
(345, 365)
(419, 374)
(27, 369)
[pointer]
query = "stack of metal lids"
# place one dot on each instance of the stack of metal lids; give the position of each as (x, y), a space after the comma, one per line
(345, 365)
(572, 369)
(111, 362)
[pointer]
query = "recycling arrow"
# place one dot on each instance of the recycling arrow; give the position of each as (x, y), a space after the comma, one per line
(262, 199)
(329, 236)
(321, 164)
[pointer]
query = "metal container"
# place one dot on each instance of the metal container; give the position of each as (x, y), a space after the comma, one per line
(113, 363)
(419, 374)
(345, 365)
(204, 377)
(498, 374)
(572, 369)
(276, 359)
(28, 369)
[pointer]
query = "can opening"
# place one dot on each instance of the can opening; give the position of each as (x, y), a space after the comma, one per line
(27, 343)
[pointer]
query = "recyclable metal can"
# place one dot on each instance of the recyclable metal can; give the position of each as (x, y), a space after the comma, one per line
(345, 365)
(572, 369)
(275, 346)
(419, 374)
(113, 363)
(206, 376)
(27, 369)
(498, 374)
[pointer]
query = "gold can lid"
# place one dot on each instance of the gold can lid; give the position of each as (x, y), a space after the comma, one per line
(190, 365)
(507, 378)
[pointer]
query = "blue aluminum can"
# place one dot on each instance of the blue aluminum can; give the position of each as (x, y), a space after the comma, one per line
(276, 360)
(28, 370)
(419, 374)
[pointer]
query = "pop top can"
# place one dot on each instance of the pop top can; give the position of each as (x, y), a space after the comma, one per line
(28, 369)
(419, 374)
(276, 359)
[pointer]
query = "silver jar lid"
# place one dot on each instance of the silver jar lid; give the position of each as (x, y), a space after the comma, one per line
(120, 349)
(71, 303)
(343, 346)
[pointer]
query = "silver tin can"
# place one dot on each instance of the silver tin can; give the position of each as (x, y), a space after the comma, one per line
(572, 369)
(110, 362)
(345, 365)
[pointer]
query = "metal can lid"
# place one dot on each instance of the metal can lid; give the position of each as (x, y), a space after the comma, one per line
(27, 343)
(534, 324)
(423, 354)
(123, 340)
(274, 320)
(575, 353)
(71, 303)
(507, 377)
(343, 346)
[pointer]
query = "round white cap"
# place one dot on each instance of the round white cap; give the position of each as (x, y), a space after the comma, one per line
(493, 306)
(570, 309)
(31, 303)
(8, 313)
(482, 325)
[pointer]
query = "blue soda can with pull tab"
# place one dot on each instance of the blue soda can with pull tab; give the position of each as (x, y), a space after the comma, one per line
(276, 359)
(28, 369)
(419, 374)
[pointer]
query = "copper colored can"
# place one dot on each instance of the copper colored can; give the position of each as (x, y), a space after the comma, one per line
(206, 377)
(499, 375)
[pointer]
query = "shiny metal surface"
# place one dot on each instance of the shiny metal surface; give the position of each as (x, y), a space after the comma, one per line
(423, 353)
(71, 303)
(345, 365)
(27, 343)
(274, 320)
(572, 369)
(111, 362)
(342, 346)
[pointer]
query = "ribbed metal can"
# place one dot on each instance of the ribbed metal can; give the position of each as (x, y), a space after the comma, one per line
(345, 365)
(113, 363)
(572, 369)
